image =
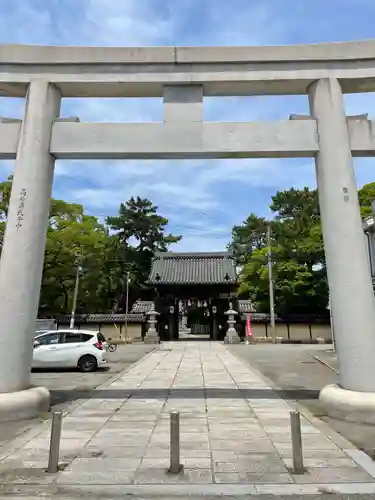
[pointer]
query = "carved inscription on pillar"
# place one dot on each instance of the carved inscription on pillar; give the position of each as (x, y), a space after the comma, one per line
(21, 206)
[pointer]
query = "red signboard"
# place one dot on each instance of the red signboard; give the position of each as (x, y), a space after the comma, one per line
(248, 326)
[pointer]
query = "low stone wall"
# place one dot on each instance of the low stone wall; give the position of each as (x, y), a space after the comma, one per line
(294, 332)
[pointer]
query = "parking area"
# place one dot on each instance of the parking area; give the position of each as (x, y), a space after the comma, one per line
(67, 386)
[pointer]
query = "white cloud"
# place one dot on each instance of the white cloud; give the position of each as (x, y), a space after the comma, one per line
(126, 23)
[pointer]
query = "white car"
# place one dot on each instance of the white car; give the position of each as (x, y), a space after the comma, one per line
(83, 349)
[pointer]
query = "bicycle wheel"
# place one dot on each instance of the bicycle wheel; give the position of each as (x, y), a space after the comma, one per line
(112, 347)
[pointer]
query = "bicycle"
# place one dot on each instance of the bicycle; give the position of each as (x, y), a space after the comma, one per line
(111, 347)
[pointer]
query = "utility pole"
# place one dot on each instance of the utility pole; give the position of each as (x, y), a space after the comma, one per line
(270, 284)
(127, 305)
(75, 296)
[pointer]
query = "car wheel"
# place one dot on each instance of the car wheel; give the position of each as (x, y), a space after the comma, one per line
(87, 363)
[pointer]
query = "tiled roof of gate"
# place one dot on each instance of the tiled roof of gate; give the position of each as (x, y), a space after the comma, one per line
(170, 268)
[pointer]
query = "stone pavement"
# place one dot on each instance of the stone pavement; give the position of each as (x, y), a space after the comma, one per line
(235, 436)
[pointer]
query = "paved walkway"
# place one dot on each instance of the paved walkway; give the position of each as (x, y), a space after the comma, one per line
(235, 434)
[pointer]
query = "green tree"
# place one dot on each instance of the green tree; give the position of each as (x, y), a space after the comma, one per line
(248, 236)
(300, 284)
(5, 190)
(297, 288)
(141, 232)
(297, 226)
(73, 239)
(366, 196)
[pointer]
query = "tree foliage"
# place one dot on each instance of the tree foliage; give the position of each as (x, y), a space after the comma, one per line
(140, 231)
(251, 235)
(366, 196)
(103, 253)
(297, 251)
(73, 240)
(299, 271)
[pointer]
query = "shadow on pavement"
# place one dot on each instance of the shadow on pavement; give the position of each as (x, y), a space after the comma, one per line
(100, 369)
(214, 393)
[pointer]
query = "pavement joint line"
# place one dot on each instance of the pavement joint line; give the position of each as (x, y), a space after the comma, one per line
(113, 379)
(205, 400)
(110, 381)
(340, 441)
(325, 363)
(118, 375)
(165, 401)
(250, 368)
(155, 349)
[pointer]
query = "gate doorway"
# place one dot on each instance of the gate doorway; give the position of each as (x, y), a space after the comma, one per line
(199, 326)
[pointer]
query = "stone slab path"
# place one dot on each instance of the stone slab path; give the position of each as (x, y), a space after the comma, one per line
(235, 433)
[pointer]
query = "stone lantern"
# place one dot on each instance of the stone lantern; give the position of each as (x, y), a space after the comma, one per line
(232, 335)
(152, 336)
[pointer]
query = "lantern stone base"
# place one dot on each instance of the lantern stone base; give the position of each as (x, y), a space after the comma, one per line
(151, 339)
(22, 405)
(232, 337)
(352, 406)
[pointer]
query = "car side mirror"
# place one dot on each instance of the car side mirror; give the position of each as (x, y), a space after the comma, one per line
(36, 343)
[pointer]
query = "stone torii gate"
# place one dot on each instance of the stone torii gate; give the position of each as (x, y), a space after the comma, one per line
(183, 76)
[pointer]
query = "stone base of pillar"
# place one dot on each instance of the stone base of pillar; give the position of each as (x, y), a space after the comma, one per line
(22, 405)
(352, 406)
(151, 339)
(232, 337)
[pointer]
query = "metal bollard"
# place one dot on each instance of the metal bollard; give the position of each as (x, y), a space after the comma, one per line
(295, 425)
(54, 449)
(175, 465)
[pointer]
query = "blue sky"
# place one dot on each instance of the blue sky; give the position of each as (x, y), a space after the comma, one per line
(202, 199)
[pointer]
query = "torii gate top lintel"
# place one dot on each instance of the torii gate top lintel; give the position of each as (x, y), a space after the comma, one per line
(144, 71)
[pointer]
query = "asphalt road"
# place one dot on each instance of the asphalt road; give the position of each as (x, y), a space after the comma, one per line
(295, 369)
(66, 386)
